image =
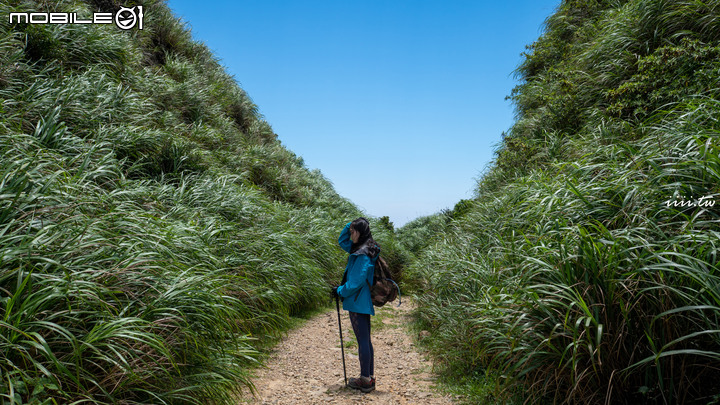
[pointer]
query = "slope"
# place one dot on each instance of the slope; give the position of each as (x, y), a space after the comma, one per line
(154, 233)
(586, 268)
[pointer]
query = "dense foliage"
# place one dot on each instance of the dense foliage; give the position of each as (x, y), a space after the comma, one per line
(153, 231)
(586, 269)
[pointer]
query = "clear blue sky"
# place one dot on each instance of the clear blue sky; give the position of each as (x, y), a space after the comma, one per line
(400, 103)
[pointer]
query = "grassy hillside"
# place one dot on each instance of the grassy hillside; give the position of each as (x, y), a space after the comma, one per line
(153, 230)
(586, 268)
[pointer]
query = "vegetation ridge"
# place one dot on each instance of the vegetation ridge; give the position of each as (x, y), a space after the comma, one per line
(585, 270)
(153, 230)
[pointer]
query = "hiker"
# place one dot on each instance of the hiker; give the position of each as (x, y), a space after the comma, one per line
(354, 290)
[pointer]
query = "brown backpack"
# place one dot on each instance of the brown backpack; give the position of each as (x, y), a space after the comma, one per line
(383, 289)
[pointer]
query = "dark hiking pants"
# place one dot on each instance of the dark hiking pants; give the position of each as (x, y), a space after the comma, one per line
(361, 327)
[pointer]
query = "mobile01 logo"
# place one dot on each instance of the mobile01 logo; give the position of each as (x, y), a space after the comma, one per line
(125, 18)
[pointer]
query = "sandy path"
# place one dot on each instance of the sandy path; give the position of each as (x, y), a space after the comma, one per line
(306, 367)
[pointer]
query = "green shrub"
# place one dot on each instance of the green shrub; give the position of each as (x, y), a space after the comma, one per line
(147, 254)
(580, 273)
(585, 285)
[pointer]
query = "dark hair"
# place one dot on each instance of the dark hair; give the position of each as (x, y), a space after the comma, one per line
(362, 226)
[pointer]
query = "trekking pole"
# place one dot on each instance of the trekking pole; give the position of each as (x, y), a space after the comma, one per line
(342, 345)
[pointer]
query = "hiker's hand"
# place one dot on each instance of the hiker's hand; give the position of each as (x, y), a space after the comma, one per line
(333, 292)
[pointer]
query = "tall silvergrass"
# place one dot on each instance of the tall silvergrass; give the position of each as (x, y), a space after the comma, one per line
(580, 283)
(100, 302)
(153, 232)
(602, 59)
(580, 274)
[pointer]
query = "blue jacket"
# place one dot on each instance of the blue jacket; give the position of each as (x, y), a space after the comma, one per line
(360, 269)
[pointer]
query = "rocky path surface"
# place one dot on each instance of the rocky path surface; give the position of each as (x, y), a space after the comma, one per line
(306, 367)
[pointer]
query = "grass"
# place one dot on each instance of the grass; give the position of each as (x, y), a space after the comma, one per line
(569, 278)
(155, 236)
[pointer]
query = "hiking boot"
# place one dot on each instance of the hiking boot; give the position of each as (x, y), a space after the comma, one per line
(363, 384)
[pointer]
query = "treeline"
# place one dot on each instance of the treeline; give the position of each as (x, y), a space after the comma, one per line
(154, 233)
(585, 270)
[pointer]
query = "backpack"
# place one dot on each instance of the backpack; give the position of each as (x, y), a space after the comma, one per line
(383, 288)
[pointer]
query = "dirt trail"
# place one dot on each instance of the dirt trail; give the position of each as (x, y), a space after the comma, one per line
(306, 367)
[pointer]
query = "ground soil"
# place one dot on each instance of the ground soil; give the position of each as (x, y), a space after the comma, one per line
(306, 367)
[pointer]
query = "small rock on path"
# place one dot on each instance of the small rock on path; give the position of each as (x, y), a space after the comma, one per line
(306, 367)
